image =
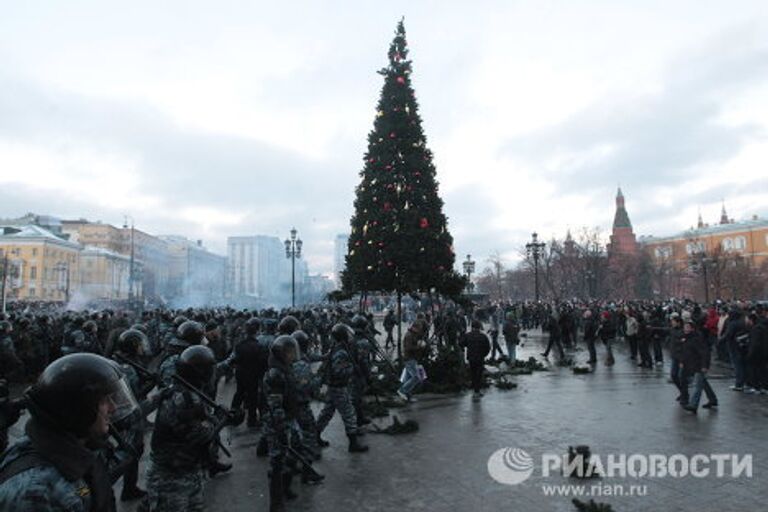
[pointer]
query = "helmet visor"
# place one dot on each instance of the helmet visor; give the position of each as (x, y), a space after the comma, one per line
(122, 400)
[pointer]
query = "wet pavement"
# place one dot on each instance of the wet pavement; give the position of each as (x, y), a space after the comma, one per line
(615, 410)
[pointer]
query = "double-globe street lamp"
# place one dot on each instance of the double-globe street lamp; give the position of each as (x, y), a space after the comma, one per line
(535, 250)
(469, 269)
(293, 251)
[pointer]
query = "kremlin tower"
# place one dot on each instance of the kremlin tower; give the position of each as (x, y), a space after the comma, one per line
(623, 241)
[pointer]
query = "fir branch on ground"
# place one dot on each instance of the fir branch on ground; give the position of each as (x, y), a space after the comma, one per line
(591, 506)
(397, 427)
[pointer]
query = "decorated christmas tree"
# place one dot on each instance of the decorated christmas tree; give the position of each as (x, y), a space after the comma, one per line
(399, 239)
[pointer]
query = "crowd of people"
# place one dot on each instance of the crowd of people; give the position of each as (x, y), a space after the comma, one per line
(95, 376)
(98, 375)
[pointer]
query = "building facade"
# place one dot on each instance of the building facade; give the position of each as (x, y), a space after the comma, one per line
(104, 275)
(747, 239)
(149, 253)
(259, 269)
(256, 264)
(196, 276)
(38, 265)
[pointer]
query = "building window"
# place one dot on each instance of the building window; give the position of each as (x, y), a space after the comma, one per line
(33, 272)
(727, 244)
(31, 292)
(740, 243)
(34, 252)
(695, 248)
(663, 252)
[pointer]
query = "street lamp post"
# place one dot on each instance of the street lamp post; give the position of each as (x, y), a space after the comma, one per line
(293, 251)
(131, 269)
(535, 249)
(469, 269)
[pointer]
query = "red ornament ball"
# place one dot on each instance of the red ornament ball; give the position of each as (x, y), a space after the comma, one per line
(424, 223)
(400, 80)
(392, 135)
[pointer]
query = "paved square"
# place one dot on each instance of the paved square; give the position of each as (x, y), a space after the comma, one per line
(443, 467)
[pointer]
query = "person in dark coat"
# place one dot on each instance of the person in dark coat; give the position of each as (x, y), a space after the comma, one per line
(590, 334)
(478, 346)
(694, 366)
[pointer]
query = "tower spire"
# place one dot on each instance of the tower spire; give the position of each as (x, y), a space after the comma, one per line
(621, 220)
(724, 215)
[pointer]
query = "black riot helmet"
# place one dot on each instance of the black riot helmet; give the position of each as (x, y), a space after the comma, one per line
(196, 364)
(302, 339)
(68, 393)
(140, 327)
(252, 326)
(90, 327)
(288, 325)
(179, 320)
(6, 327)
(285, 349)
(192, 332)
(359, 323)
(133, 342)
(269, 325)
(341, 333)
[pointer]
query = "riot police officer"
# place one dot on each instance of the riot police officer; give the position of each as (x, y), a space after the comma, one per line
(188, 334)
(184, 429)
(131, 346)
(280, 397)
(360, 350)
(337, 374)
(307, 388)
(288, 325)
(53, 467)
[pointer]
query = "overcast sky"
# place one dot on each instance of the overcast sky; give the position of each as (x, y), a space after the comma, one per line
(212, 119)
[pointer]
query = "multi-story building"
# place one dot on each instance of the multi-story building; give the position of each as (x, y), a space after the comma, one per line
(259, 269)
(340, 250)
(196, 275)
(748, 239)
(255, 265)
(38, 265)
(104, 275)
(149, 253)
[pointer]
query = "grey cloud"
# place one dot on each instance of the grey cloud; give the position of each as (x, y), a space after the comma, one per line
(655, 140)
(277, 187)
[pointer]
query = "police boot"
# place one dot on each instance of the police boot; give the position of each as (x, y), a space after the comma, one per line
(262, 449)
(132, 494)
(218, 467)
(287, 492)
(276, 498)
(311, 477)
(354, 444)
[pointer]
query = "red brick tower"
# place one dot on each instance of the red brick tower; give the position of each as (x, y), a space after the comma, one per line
(623, 241)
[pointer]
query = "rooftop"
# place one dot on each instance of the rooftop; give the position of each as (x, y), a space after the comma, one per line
(31, 232)
(717, 229)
